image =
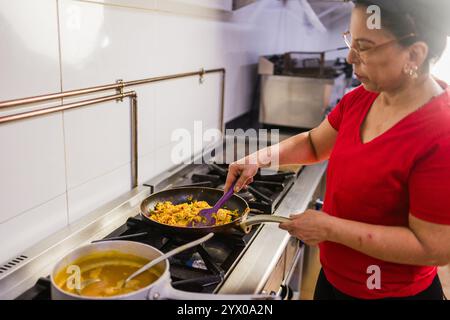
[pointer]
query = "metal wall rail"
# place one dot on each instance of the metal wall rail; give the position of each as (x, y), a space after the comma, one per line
(117, 86)
(119, 96)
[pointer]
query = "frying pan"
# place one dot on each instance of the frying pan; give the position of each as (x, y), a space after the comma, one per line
(210, 195)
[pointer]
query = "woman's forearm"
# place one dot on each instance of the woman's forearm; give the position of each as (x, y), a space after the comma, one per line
(295, 150)
(298, 150)
(392, 244)
(305, 148)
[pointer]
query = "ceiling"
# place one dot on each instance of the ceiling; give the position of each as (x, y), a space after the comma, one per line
(327, 11)
(330, 11)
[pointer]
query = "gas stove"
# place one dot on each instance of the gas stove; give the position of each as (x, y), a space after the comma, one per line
(204, 268)
(232, 263)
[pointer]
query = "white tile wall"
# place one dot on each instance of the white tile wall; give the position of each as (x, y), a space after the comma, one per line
(184, 102)
(31, 226)
(155, 162)
(164, 158)
(32, 173)
(147, 169)
(100, 44)
(147, 134)
(92, 194)
(56, 169)
(97, 141)
(187, 43)
(32, 185)
(29, 58)
(180, 104)
(31, 165)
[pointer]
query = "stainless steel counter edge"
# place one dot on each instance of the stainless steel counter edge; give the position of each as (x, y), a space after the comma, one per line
(253, 270)
(40, 259)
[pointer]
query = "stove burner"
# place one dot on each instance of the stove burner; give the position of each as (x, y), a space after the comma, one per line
(247, 195)
(263, 195)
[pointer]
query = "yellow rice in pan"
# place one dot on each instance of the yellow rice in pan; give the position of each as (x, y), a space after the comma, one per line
(181, 215)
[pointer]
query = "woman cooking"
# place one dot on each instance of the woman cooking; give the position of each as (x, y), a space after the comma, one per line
(387, 204)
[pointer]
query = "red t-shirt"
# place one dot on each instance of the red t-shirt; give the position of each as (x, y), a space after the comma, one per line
(404, 170)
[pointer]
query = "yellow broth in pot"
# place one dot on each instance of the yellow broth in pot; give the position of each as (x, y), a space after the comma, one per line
(111, 268)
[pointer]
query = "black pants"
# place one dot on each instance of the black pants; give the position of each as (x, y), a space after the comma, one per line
(326, 291)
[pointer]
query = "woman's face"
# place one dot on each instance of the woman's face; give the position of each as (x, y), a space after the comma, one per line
(378, 68)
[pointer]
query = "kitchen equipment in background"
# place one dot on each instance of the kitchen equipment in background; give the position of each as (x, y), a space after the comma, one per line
(305, 64)
(313, 65)
(298, 87)
(294, 101)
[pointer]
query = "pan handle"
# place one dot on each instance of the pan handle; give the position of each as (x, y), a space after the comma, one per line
(246, 224)
(168, 292)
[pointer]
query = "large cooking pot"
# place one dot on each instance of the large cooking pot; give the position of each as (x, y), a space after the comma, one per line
(158, 290)
(210, 195)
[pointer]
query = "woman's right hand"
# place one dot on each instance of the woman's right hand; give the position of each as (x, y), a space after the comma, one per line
(243, 172)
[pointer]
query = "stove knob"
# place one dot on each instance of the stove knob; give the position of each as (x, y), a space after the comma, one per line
(286, 293)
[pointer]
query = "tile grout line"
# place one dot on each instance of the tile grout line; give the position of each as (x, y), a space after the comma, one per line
(58, 20)
(102, 175)
(65, 193)
(32, 208)
(195, 11)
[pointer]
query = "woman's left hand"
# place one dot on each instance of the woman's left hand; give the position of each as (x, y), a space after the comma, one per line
(312, 227)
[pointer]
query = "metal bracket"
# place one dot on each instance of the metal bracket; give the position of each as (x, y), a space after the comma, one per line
(120, 90)
(202, 76)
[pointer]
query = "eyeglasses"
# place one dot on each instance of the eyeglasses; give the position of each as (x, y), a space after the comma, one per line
(363, 47)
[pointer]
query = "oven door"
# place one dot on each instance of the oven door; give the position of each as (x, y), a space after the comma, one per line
(285, 279)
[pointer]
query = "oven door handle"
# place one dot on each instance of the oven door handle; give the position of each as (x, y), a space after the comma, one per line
(295, 261)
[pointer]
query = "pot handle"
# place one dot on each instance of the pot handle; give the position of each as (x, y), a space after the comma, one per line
(246, 224)
(167, 292)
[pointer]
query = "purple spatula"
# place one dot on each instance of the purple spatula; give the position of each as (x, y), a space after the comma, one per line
(208, 213)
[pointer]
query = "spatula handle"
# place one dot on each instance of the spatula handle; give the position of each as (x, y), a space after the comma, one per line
(224, 198)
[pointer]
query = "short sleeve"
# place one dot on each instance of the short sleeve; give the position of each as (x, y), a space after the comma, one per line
(429, 184)
(337, 114)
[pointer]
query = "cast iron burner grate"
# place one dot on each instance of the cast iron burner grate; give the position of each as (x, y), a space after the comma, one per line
(263, 195)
